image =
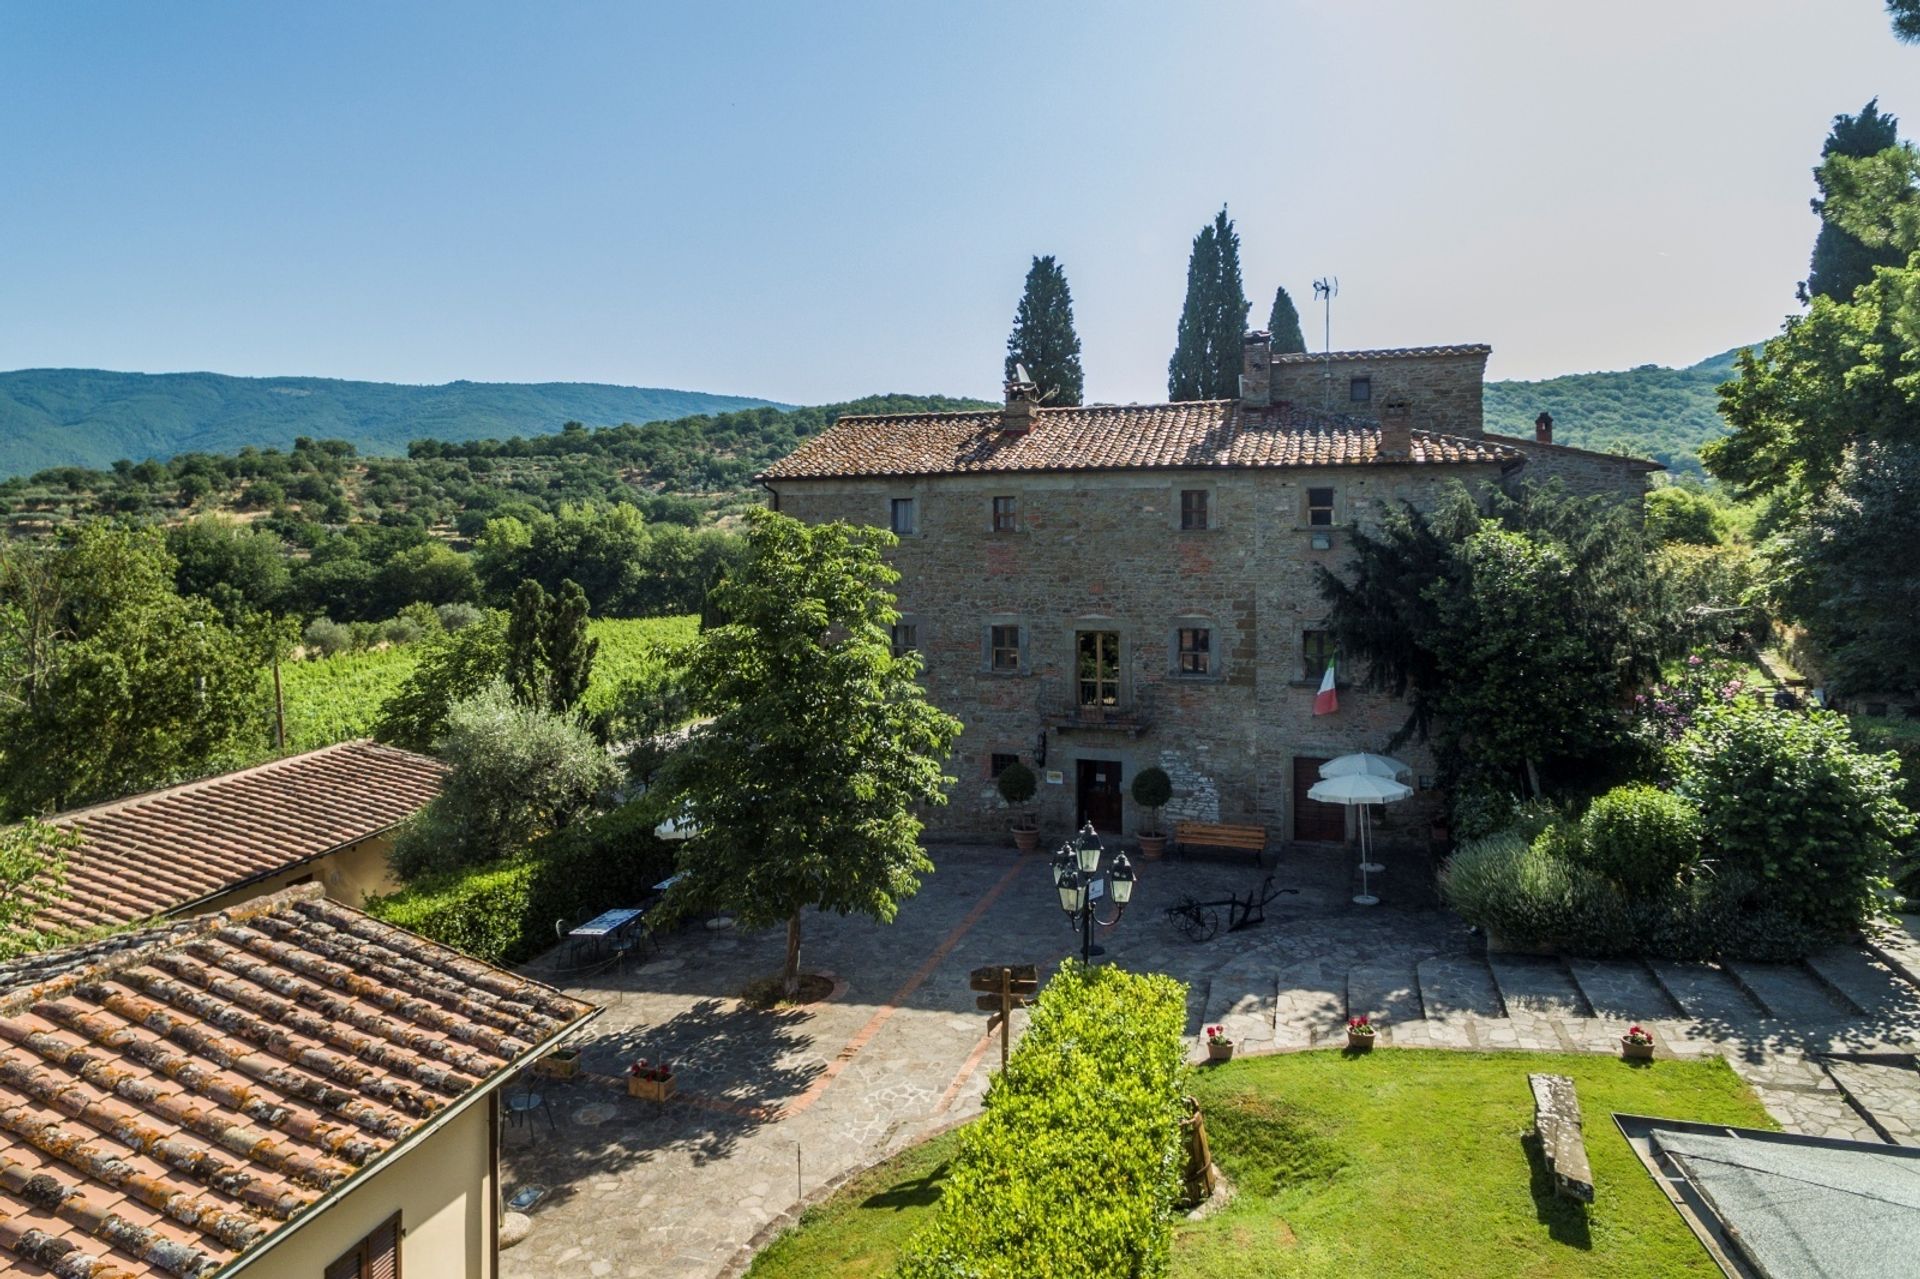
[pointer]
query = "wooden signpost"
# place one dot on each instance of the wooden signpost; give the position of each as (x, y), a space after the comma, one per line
(1005, 987)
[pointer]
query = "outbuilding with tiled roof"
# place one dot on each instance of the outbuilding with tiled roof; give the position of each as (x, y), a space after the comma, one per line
(327, 815)
(284, 1088)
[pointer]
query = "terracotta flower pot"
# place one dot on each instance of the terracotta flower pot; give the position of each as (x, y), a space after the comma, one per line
(563, 1063)
(650, 1089)
(1153, 847)
(1636, 1052)
(1220, 1050)
(1026, 838)
(1360, 1043)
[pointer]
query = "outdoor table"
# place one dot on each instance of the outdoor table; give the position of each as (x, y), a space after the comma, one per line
(666, 883)
(605, 926)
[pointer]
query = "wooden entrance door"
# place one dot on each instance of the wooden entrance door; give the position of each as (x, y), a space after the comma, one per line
(1099, 788)
(1313, 821)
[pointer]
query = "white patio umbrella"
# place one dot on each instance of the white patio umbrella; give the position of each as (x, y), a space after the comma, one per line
(679, 826)
(1359, 790)
(1366, 764)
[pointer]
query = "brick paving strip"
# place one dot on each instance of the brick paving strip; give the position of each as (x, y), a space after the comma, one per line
(864, 1036)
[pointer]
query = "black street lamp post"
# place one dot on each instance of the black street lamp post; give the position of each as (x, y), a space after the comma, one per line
(1077, 877)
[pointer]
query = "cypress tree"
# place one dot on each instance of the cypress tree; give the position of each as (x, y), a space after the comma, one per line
(1905, 16)
(1284, 324)
(1043, 338)
(1842, 262)
(569, 649)
(526, 644)
(1206, 353)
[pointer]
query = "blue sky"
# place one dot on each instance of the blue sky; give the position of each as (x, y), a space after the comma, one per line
(812, 202)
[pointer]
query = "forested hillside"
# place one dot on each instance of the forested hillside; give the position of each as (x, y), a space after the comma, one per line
(1653, 411)
(90, 417)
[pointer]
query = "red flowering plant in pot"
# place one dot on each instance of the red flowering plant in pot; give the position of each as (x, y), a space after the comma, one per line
(1637, 1044)
(1219, 1045)
(650, 1079)
(1359, 1034)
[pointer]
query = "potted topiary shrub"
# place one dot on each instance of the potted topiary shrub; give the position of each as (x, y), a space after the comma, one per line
(1152, 788)
(1017, 785)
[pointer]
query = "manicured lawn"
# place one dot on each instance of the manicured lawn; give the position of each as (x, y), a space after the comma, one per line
(1396, 1163)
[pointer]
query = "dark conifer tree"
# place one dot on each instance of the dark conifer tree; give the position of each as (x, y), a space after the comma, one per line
(1841, 261)
(527, 644)
(1905, 15)
(1284, 324)
(1207, 351)
(1043, 338)
(569, 649)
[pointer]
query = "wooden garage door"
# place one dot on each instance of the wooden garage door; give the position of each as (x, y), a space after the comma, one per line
(1313, 821)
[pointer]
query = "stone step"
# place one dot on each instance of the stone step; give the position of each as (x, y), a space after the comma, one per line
(1789, 992)
(1242, 1000)
(1886, 1092)
(1453, 988)
(1888, 1000)
(1705, 992)
(1536, 986)
(1898, 947)
(1621, 989)
(1311, 1004)
(1199, 991)
(1387, 995)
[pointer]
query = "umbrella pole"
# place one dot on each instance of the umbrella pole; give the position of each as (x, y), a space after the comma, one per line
(1366, 828)
(1365, 896)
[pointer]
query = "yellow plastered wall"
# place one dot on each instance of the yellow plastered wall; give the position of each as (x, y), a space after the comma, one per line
(349, 875)
(445, 1194)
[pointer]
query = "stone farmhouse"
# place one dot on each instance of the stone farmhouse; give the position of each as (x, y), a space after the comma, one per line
(1094, 590)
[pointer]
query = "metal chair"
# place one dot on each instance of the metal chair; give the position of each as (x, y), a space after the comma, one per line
(523, 1098)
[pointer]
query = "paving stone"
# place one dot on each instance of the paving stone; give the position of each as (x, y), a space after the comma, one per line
(1458, 996)
(1536, 985)
(1899, 946)
(1886, 1092)
(1789, 992)
(1815, 1114)
(1621, 989)
(1387, 995)
(1707, 994)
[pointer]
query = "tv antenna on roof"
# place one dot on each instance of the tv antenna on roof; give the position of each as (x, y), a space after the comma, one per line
(1325, 289)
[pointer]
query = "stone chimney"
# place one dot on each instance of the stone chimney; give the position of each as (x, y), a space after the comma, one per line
(1256, 369)
(1543, 428)
(1023, 396)
(1396, 431)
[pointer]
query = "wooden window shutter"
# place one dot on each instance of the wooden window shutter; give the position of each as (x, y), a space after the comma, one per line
(348, 1267)
(383, 1251)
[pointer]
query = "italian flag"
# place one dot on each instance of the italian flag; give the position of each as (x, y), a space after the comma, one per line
(1327, 701)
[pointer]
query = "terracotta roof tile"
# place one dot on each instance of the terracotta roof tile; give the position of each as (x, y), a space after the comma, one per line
(155, 853)
(169, 1101)
(1385, 353)
(1194, 434)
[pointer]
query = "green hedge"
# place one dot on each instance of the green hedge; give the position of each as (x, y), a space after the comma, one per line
(504, 912)
(1075, 1168)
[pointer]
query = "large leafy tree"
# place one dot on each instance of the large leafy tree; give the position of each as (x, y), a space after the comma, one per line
(1207, 352)
(1515, 636)
(1842, 261)
(1284, 323)
(805, 786)
(240, 569)
(455, 666)
(1846, 372)
(1043, 338)
(110, 681)
(1849, 575)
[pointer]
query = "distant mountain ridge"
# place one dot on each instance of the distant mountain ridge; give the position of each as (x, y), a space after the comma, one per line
(93, 417)
(1651, 411)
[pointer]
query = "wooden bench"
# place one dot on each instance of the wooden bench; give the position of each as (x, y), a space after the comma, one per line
(1218, 835)
(1556, 1117)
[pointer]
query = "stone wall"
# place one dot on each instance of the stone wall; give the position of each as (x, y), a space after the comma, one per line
(1581, 470)
(1444, 390)
(1105, 553)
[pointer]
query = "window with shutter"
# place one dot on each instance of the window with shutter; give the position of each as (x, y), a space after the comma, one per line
(375, 1257)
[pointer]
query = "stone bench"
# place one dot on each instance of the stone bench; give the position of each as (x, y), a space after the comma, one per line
(1556, 1117)
(1218, 835)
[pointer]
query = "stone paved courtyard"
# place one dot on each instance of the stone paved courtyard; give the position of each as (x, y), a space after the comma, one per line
(775, 1104)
